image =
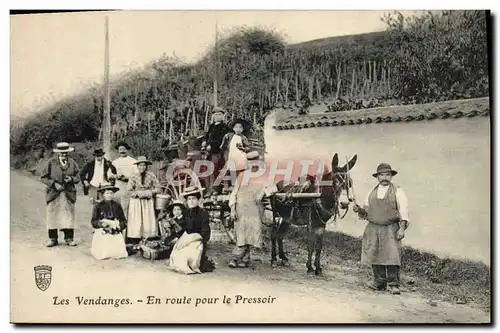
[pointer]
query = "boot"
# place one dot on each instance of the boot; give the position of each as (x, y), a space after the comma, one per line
(394, 290)
(70, 242)
(51, 242)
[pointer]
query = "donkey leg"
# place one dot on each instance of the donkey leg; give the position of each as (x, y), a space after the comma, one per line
(310, 247)
(281, 236)
(274, 261)
(318, 233)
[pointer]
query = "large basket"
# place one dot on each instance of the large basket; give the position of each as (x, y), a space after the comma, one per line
(153, 248)
(162, 201)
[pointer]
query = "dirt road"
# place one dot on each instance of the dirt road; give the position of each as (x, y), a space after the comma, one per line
(338, 297)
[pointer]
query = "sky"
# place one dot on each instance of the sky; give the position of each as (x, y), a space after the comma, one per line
(57, 55)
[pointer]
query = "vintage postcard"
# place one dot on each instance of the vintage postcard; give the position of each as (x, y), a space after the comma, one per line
(250, 167)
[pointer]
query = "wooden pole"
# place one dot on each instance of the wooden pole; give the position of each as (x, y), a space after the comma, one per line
(216, 65)
(205, 127)
(106, 134)
(164, 123)
(187, 120)
(298, 195)
(194, 123)
(352, 82)
(171, 133)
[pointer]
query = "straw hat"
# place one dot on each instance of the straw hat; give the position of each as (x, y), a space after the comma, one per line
(218, 109)
(105, 187)
(384, 167)
(245, 123)
(176, 203)
(192, 190)
(122, 144)
(143, 159)
(63, 147)
(253, 155)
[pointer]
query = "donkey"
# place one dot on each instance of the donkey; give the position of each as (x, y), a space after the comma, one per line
(311, 212)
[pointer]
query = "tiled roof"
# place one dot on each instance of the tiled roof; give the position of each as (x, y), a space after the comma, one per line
(398, 113)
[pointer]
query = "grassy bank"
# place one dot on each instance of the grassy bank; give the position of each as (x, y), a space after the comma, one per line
(439, 279)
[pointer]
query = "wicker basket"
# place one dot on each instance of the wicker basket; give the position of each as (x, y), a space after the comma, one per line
(153, 248)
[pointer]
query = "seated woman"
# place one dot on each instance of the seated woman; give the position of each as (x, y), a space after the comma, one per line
(189, 253)
(172, 223)
(108, 221)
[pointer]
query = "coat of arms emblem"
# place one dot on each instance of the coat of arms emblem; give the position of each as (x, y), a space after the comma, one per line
(43, 276)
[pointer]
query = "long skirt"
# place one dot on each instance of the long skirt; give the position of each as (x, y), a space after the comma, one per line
(187, 254)
(248, 227)
(107, 246)
(122, 195)
(379, 245)
(141, 219)
(60, 213)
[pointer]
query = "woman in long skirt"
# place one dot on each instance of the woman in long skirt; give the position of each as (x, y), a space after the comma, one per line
(246, 211)
(142, 187)
(60, 174)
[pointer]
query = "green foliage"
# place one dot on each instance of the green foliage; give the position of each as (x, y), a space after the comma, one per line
(72, 120)
(440, 56)
(434, 57)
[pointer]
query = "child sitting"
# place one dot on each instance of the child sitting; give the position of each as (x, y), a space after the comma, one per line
(172, 222)
(235, 146)
(108, 221)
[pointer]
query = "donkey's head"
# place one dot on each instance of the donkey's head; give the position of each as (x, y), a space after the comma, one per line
(336, 185)
(342, 181)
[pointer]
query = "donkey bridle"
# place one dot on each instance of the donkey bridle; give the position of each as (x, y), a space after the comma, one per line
(335, 212)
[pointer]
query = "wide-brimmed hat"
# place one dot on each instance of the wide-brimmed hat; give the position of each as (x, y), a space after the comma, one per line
(193, 154)
(63, 147)
(122, 144)
(192, 190)
(105, 187)
(98, 152)
(218, 109)
(384, 167)
(176, 203)
(143, 159)
(245, 123)
(253, 155)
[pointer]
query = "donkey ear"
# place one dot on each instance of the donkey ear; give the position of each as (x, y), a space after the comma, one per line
(349, 164)
(335, 162)
(352, 162)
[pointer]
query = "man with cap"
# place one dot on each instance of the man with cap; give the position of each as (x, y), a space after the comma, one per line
(60, 174)
(216, 132)
(125, 168)
(95, 173)
(386, 209)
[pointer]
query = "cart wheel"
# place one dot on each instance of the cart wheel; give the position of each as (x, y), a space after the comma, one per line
(181, 179)
(228, 225)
